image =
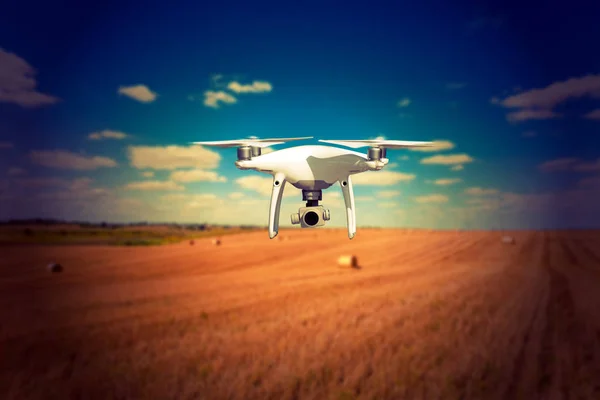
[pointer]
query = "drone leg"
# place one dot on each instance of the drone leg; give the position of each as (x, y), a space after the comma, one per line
(276, 195)
(346, 185)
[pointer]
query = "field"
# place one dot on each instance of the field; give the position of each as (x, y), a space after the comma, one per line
(427, 315)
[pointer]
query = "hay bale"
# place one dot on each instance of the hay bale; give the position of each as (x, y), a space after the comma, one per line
(348, 261)
(508, 239)
(55, 267)
(192, 242)
(216, 242)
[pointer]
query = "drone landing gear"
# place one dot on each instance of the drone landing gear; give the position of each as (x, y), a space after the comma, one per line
(348, 193)
(276, 195)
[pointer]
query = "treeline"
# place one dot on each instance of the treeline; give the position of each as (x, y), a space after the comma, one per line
(113, 225)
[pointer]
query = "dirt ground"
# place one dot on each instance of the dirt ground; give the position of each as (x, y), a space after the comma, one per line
(428, 315)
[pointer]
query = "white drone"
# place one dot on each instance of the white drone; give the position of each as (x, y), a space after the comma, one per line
(312, 169)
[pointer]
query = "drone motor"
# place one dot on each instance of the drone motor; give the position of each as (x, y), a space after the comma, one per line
(376, 153)
(256, 151)
(244, 153)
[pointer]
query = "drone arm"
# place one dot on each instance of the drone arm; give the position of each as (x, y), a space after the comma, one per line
(276, 195)
(348, 193)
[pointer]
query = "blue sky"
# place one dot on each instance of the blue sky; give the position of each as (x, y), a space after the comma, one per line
(91, 98)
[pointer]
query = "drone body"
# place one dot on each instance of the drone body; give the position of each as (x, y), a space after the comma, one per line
(312, 169)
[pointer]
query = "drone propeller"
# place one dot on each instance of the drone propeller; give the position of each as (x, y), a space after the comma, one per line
(388, 144)
(253, 142)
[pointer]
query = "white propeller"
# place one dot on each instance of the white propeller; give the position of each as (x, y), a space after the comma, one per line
(388, 144)
(254, 142)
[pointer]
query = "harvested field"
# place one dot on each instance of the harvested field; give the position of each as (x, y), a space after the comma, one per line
(452, 315)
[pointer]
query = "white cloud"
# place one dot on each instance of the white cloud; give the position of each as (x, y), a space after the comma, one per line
(154, 186)
(18, 84)
(364, 198)
(588, 166)
(560, 164)
(388, 194)
(258, 184)
(197, 175)
(190, 198)
(6, 145)
(447, 181)
(107, 134)
(212, 98)
(264, 185)
(15, 171)
(450, 159)
(438, 145)
(381, 178)
(570, 164)
(63, 159)
(77, 189)
(400, 212)
(477, 191)
(148, 174)
(405, 102)
(593, 114)
(539, 103)
(188, 205)
(457, 168)
(236, 195)
(388, 204)
(556, 93)
(403, 158)
(43, 182)
(74, 189)
(173, 157)
(175, 197)
(140, 93)
(525, 115)
(254, 87)
(432, 198)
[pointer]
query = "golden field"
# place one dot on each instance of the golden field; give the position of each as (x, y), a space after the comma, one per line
(427, 315)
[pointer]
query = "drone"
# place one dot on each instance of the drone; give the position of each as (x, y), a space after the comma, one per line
(312, 169)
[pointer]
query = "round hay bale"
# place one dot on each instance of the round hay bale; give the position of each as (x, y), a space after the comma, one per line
(508, 239)
(347, 261)
(216, 242)
(55, 267)
(192, 242)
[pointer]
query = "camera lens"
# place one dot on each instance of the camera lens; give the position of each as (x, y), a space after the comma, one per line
(311, 218)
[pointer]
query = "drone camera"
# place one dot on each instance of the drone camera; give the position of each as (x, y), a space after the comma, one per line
(311, 217)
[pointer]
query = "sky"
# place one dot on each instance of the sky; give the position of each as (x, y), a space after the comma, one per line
(99, 102)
